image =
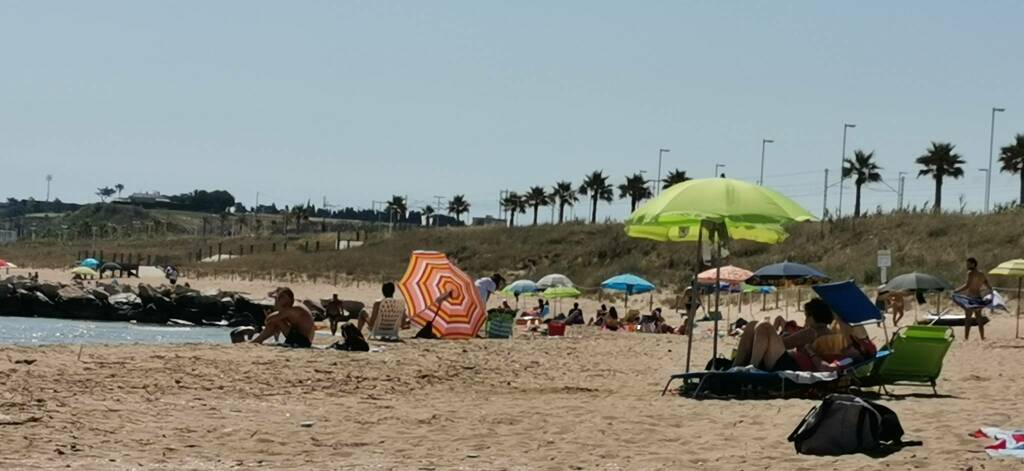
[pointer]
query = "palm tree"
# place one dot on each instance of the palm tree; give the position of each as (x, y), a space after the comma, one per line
(428, 212)
(458, 206)
(940, 161)
(864, 170)
(1012, 158)
(635, 189)
(536, 198)
(596, 186)
(674, 177)
(104, 193)
(119, 187)
(514, 203)
(565, 194)
(397, 207)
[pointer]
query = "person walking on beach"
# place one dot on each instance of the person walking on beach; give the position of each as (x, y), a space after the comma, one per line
(295, 322)
(968, 296)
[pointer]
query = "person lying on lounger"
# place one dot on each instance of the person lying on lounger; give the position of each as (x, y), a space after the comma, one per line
(763, 347)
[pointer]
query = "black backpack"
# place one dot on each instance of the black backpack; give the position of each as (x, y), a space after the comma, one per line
(845, 424)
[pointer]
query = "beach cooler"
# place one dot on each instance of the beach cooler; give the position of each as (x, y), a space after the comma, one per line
(556, 329)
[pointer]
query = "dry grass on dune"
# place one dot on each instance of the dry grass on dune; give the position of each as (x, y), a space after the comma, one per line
(590, 253)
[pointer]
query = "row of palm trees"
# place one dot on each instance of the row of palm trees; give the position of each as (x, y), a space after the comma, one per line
(939, 162)
(595, 188)
(457, 206)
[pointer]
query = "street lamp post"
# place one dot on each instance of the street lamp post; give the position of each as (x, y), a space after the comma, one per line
(718, 166)
(842, 162)
(658, 183)
(760, 181)
(991, 142)
(900, 185)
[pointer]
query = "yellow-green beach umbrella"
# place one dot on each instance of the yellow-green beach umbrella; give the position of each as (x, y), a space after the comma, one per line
(731, 209)
(746, 211)
(560, 292)
(1013, 268)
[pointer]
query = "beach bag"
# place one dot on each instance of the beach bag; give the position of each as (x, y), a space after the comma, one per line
(844, 424)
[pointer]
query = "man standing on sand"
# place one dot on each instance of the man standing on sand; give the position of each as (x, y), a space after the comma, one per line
(339, 311)
(295, 322)
(970, 299)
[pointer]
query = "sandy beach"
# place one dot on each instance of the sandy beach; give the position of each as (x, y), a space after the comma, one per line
(587, 401)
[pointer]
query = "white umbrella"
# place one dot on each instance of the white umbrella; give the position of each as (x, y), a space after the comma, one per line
(554, 280)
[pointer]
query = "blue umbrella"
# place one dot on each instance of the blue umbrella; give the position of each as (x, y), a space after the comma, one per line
(628, 284)
(787, 273)
(91, 263)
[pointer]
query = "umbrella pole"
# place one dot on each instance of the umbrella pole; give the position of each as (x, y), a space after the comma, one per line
(691, 305)
(718, 291)
(1017, 334)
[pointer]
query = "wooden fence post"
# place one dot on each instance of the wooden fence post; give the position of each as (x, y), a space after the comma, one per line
(220, 247)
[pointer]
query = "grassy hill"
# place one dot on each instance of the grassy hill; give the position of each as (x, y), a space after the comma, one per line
(591, 253)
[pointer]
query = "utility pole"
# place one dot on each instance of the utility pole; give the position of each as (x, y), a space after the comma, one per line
(824, 201)
(824, 204)
(438, 208)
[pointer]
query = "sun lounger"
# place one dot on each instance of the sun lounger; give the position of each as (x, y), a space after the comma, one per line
(916, 358)
(751, 383)
(389, 320)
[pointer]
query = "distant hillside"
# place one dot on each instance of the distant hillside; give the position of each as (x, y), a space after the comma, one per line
(586, 253)
(590, 253)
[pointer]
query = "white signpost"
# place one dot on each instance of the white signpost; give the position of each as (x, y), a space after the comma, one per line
(884, 262)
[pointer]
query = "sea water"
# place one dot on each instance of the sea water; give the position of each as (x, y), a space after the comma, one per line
(40, 331)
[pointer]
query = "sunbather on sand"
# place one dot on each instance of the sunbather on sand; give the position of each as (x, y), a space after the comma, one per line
(295, 322)
(388, 290)
(598, 319)
(971, 289)
(764, 348)
(611, 320)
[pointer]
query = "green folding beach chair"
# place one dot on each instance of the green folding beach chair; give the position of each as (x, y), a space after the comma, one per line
(916, 358)
(500, 324)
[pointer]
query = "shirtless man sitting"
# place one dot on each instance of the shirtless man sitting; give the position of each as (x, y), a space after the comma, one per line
(976, 280)
(295, 322)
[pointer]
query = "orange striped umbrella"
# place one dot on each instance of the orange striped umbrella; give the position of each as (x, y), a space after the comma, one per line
(430, 276)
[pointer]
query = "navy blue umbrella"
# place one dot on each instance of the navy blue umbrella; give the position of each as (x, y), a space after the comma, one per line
(787, 273)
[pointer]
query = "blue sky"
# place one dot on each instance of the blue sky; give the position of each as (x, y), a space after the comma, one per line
(358, 100)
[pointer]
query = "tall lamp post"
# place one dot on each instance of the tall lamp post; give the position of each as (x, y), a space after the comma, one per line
(842, 162)
(658, 183)
(991, 141)
(760, 181)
